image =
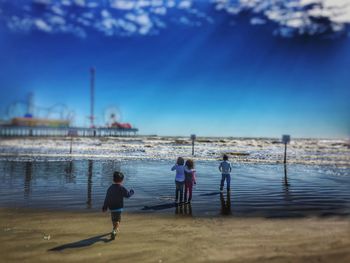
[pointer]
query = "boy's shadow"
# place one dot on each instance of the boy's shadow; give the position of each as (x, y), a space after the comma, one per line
(83, 243)
(210, 194)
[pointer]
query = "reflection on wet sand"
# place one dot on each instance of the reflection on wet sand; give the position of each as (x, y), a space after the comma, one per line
(69, 174)
(226, 205)
(184, 209)
(286, 185)
(27, 179)
(89, 184)
(285, 176)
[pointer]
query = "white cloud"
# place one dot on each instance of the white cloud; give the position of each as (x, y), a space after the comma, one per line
(308, 2)
(157, 2)
(159, 23)
(92, 4)
(170, 3)
(185, 4)
(80, 2)
(15, 23)
(83, 21)
(184, 20)
(127, 26)
(257, 21)
(42, 25)
(45, 2)
(132, 17)
(144, 30)
(143, 20)
(142, 3)
(105, 13)
(295, 22)
(341, 8)
(109, 23)
(57, 10)
(113, 17)
(159, 10)
(122, 4)
(57, 20)
(66, 2)
(303, 17)
(88, 15)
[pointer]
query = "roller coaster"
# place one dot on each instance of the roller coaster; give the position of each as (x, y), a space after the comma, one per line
(26, 113)
(25, 118)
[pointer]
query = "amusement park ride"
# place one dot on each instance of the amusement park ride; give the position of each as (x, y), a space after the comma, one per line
(26, 113)
(24, 118)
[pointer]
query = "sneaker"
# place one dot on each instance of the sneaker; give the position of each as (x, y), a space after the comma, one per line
(113, 234)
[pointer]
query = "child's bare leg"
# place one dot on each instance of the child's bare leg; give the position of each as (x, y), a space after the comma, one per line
(115, 222)
(116, 226)
(115, 229)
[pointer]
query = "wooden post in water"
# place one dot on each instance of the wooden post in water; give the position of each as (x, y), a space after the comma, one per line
(285, 141)
(71, 144)
(193, 138)
(285, 176)
(71, 133)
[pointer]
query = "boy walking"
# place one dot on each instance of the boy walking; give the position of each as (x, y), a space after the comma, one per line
(225, 169)
(114, 201)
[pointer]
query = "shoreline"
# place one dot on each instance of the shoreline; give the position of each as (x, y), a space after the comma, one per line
(83, 236)
(37, 157)
(247, 151)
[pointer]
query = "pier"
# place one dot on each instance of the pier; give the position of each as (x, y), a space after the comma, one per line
(27, 131)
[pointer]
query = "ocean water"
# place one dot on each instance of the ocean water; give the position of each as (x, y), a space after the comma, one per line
(262, 190)
(241, 150)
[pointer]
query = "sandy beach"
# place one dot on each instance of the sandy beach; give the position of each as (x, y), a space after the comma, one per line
(35, 235)
(54, 236)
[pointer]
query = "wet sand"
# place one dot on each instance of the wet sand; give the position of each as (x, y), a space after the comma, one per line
(84, 237)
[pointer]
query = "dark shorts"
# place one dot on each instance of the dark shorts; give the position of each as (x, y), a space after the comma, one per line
(116, 216)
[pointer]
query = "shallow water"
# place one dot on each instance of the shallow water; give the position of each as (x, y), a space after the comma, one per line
(256, 189)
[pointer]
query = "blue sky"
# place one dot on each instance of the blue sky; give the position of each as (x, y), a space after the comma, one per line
(215, 74)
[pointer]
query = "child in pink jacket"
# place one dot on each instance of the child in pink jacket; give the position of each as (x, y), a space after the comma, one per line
(190, 179)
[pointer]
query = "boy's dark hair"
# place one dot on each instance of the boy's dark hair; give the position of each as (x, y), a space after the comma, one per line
(225, 157)
(118, 177)
(189, 164)
(180, 161)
